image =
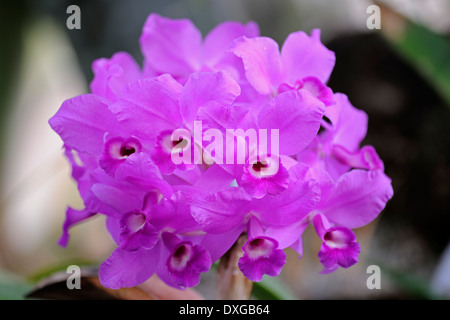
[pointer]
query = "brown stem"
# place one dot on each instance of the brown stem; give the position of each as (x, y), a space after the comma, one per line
(231, 283)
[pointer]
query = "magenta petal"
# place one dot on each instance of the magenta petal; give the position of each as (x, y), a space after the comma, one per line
(78, 166)
(114, 228)
(186, 262)
(349, 123)
(257, 183)
(304, 56)
(357, 198)
(146, 238)
(261, 256)
(141, 173)
(172, 85)
(298, 129)
(262, 62)
(129, 268)
(171, 45)
(214, 179)
(366, 158)
(321, 224)
(73, 217)
(287, 235)
(328, 257)
(83, 121)
(173, 214)
(163, 160)
(111, 75)
(204, 88)
(117, 150)
(230, 205)
(137, 232)
(112, 200)
(339, 248)
(318, 90)
(222, 117)
(220, 38)
(219, 244)
(290, 206)
(146, 102)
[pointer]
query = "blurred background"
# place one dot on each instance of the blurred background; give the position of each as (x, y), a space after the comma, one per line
(399, 75)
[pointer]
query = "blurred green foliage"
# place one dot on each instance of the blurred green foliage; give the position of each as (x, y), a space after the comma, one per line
(427, 52)
(13, 287)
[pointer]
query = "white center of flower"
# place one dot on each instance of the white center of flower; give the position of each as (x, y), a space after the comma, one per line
(122, 149)
(336, 239)
(263, 166)
(259, 247)
(135, 221)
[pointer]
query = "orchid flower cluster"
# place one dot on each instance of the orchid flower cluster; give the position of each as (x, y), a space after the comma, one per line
(147, 150)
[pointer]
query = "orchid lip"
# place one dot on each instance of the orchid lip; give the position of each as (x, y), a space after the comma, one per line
(259, 247)
(263, 166)
(134, 221)
(333, 243)
(120, 148)
(181, 256)
(169, 145)
(338, 238)
(126, 151)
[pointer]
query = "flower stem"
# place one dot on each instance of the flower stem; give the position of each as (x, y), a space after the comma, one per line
(231, 283)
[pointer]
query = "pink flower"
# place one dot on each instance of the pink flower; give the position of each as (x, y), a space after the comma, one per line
(304, 64)
(175, 218)
(339, 247)
(175, 46)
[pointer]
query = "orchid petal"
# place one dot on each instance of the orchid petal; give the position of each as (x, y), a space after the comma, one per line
(146, 102)
(73, 217)
(219, 39)
(128, 268)
(298, 129)
(82, 122)
(230, 205)
(171, 45)
(358, 198)
(203, 88)
(261, 60)
(304, 56)
(112, 75)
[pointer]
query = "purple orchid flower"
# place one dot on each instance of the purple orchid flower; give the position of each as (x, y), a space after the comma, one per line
(112, 75)
(304, 64)
(261, 254)
(337, 149)
(266, 172)
(339, 247)
(246, 214)
(169, 106)
(175, 218)
(175, 46)
(154, 234)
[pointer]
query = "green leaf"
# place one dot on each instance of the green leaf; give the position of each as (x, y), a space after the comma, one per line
(270, 288)
(13, 287)
(425, 50)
